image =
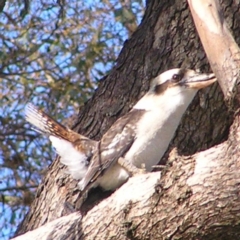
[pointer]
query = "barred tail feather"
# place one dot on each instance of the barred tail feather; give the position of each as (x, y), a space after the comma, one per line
(63, 140)
(44, 123)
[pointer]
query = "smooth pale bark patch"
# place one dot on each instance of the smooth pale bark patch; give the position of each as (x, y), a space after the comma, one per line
(222, 51)
(52, 230)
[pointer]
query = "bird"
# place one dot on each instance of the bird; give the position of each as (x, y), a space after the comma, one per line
(139, 138)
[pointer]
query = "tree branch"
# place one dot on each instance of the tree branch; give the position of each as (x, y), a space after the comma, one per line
(222, 51)
(146, 207)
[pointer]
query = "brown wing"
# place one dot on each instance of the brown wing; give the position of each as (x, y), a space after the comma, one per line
(113, 145)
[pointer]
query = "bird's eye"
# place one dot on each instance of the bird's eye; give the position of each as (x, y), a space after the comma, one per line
(177, 77)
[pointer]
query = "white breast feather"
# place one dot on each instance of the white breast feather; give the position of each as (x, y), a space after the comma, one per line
(158, 125)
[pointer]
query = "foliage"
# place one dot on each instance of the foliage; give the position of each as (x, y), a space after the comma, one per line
(52, 53)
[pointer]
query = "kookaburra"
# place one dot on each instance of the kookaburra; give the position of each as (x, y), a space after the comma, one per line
(141, 137)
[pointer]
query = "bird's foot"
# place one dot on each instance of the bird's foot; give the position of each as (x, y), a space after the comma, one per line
(133, 170)
(158, 167)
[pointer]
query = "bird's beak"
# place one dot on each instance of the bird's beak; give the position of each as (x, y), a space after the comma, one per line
(199, 80)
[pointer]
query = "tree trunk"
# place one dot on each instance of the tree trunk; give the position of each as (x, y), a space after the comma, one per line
(197, 196)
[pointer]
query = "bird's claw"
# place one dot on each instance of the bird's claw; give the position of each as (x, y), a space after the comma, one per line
(133, 170)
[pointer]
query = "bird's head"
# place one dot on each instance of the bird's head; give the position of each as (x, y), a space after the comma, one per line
(176, 86)
(182, 80)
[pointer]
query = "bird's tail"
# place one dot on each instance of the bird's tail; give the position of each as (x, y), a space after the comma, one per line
(74, 149)
(44, 123)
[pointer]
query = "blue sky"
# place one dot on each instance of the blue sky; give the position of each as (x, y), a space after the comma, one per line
(40, 93)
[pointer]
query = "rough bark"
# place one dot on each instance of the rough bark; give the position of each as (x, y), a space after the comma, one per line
(181, 206)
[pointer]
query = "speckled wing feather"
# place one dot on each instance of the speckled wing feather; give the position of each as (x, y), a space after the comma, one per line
(113, 145)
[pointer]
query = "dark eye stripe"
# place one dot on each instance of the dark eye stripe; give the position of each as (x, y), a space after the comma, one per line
(161, 87)
(175, 79)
